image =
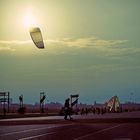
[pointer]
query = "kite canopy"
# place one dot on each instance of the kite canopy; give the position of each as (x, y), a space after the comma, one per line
(37, 38)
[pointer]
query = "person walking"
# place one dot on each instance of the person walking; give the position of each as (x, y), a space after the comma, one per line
(67, 109)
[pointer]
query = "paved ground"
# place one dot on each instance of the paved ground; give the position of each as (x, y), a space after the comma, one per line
(122, 126)
(72, 131)
(90, 118)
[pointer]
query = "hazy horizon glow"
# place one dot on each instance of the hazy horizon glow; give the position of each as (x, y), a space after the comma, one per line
(91, 47)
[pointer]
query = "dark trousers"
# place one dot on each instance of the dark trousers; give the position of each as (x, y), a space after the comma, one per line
(67, 113)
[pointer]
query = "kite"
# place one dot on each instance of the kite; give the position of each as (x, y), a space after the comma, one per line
(37, 38)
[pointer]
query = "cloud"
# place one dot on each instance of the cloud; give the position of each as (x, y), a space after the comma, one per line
(93, 42)
(16, 47)
(112, 49)
(72, 46)
(14, 42)
(6, 49)
(12, 46)
(89, 44)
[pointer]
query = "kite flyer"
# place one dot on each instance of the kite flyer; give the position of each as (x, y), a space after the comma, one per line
(67, 109)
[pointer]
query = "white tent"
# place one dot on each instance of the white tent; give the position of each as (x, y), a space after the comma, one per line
(113, 104)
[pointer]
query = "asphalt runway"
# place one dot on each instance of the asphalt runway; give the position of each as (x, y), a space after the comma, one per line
(120, 126)
(72, 131)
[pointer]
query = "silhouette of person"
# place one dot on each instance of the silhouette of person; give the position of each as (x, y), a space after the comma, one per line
(67, 109)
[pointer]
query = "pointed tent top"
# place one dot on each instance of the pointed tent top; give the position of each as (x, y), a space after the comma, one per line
(113, 104)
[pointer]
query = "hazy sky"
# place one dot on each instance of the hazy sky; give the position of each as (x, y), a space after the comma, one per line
(92, 48)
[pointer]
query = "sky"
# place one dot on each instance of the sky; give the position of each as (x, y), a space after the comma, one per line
(92, 48)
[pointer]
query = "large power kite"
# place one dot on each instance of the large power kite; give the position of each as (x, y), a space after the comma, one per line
(37, 38)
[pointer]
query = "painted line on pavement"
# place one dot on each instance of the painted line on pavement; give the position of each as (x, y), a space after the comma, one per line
(96, 132)
(35, 129)
(41, 135)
